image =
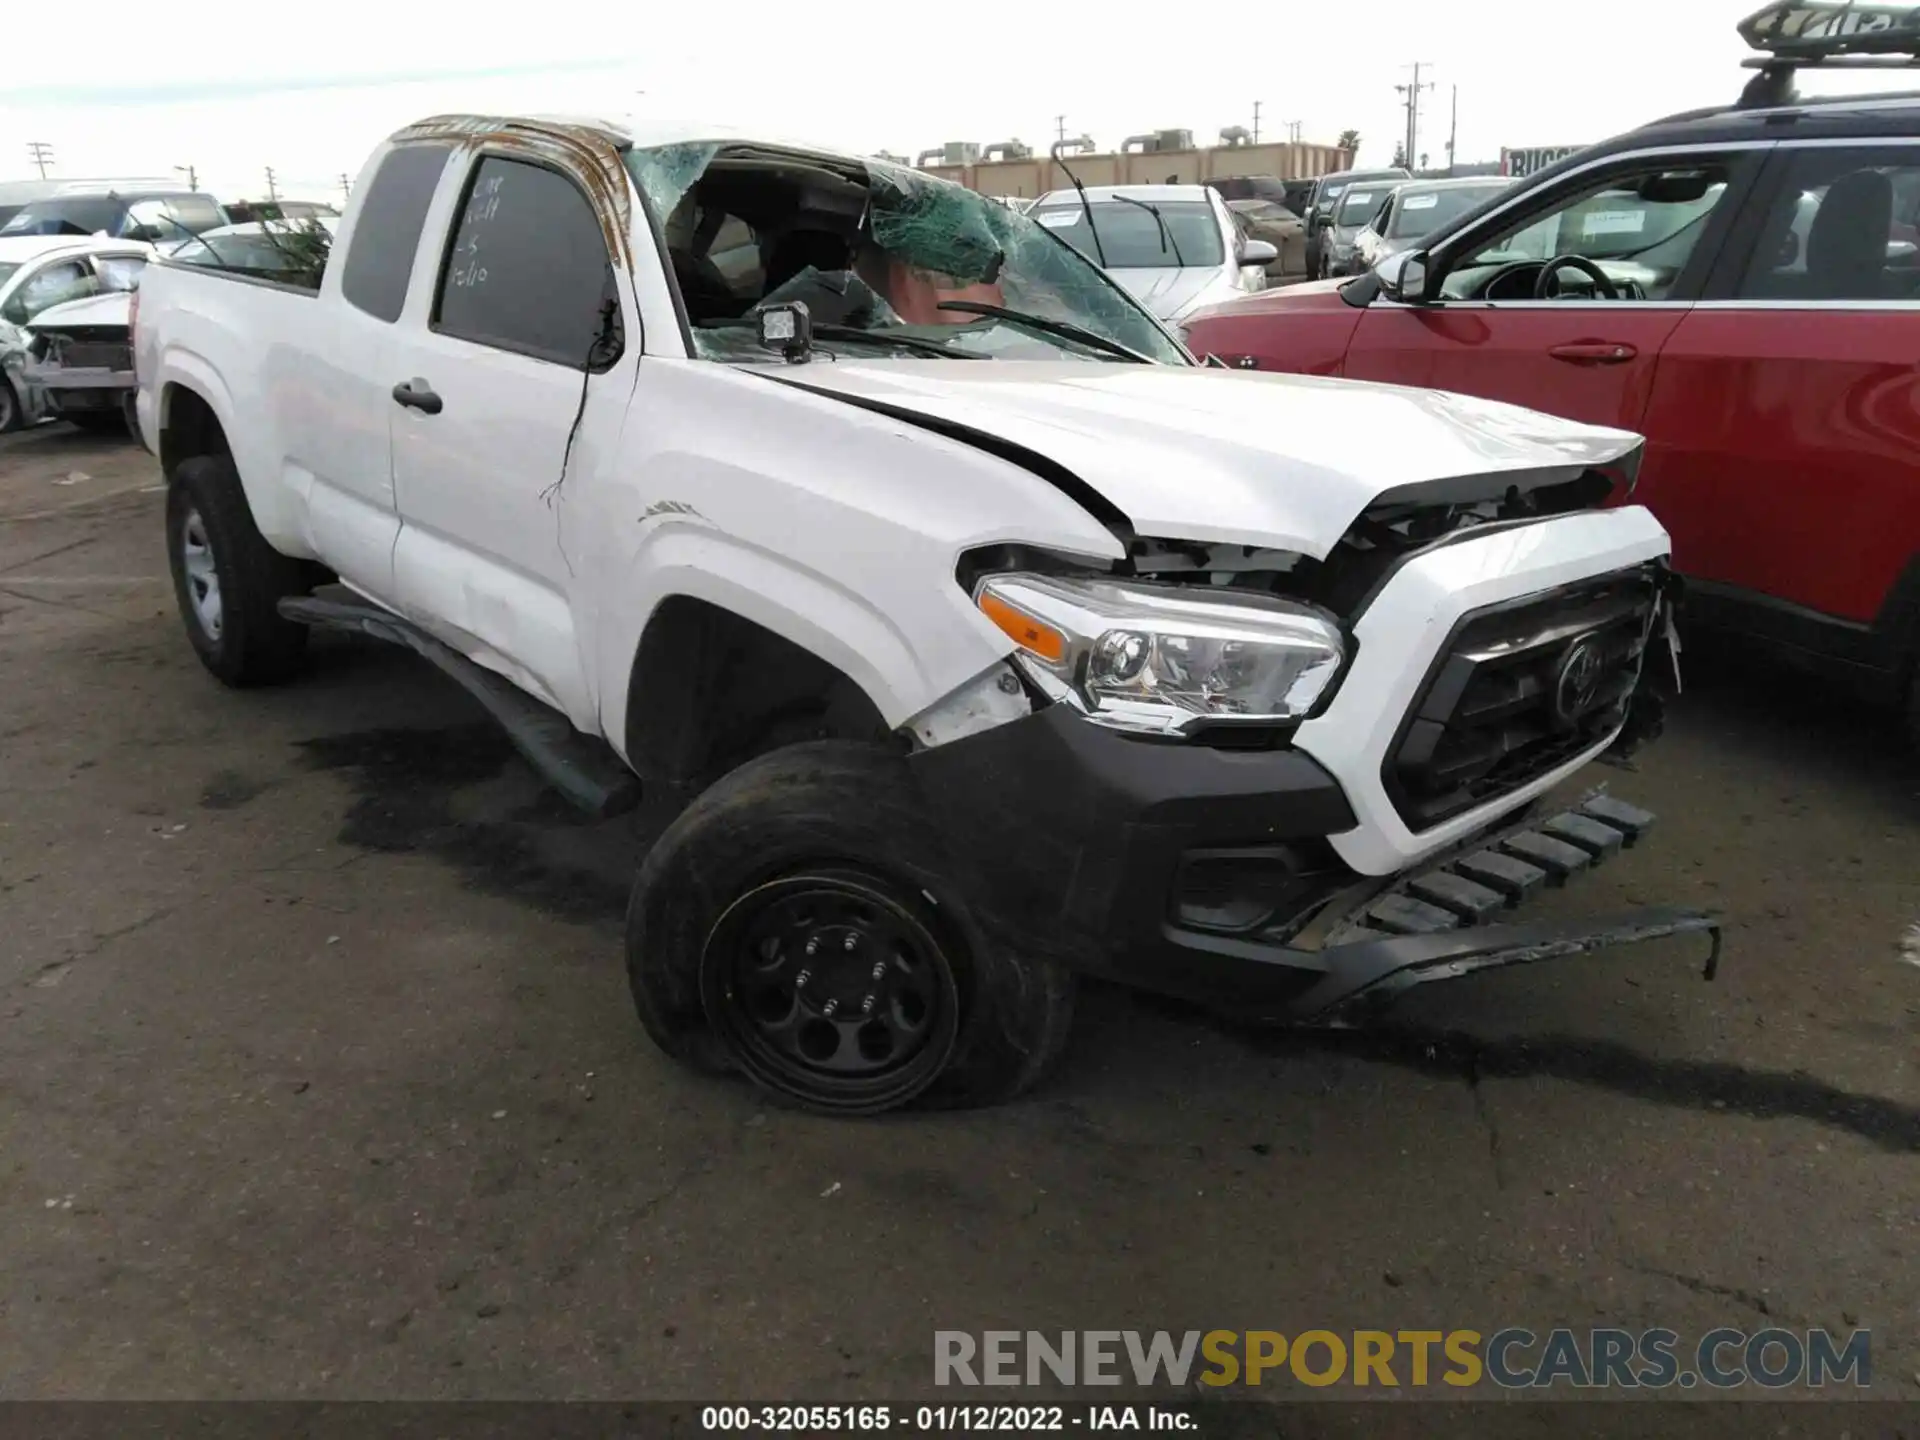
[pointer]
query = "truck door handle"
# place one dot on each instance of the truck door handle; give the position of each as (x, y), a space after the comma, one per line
(416, 394)
(1595, 352)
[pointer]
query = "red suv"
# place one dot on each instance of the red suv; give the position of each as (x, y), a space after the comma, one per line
(1742, 286)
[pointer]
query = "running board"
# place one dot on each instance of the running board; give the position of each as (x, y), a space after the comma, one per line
(585, 771)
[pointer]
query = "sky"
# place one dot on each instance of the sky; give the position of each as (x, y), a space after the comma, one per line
(164, 87)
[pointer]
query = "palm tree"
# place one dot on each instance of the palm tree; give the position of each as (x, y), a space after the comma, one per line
(1349, 141)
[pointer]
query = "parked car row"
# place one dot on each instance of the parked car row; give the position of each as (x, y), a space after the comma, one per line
(65, 313)
(1739, 284)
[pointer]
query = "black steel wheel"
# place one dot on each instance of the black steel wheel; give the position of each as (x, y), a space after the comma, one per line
(830, 989)
(824, 842)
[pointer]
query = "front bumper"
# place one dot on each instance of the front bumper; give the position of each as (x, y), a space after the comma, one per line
(1207, 874)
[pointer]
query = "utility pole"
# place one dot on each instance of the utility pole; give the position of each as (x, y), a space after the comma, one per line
(1412, 92)
(272, 193)
(1453, 133)
(41, 154)
(346, 186)
(193, 175)
(1293, 130)
(1256, 122)
(1060, 127)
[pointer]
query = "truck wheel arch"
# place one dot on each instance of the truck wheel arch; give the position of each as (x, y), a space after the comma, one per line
(190, 426)
(710, 689)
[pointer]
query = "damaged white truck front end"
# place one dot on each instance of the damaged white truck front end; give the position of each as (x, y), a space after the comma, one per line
(986, 639)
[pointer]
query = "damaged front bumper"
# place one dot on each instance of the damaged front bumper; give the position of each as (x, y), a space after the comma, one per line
(1129, 861)
(1365, 976)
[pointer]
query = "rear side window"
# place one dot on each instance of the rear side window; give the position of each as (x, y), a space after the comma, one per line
(1845, 226)
(385, 237)
(527, 267)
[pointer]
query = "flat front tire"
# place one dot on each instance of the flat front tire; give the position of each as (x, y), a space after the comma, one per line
(797, 923)
(228, 580)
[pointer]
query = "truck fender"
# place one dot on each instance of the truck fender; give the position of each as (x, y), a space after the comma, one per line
(181, 369)
(800, 606)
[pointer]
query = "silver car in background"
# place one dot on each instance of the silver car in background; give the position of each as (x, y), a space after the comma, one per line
(1173, 248)
(1414, 210)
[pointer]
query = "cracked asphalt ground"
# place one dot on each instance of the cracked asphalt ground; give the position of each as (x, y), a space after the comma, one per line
(318, 1075)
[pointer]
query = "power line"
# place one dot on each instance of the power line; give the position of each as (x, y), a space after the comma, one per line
(41, 154)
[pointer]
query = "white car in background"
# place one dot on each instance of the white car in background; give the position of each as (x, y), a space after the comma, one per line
(1173, 247)
(37, 273)
(79, 360)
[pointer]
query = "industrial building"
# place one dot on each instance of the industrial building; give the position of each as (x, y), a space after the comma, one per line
(1158, 157)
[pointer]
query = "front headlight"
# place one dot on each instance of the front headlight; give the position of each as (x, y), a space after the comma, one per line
(1159, 658)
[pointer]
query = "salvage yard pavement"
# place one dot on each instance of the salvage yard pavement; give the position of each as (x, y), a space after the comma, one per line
(320, 1079)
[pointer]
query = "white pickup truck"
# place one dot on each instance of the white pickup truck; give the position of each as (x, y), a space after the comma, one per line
(985, 636)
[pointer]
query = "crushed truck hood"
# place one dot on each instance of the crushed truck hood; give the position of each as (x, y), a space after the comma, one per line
(1288, 461)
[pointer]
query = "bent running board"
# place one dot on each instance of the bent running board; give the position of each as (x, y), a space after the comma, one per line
(585, 771)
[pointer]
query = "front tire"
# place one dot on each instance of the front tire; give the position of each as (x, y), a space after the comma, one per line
(228, 581)
(797, 923)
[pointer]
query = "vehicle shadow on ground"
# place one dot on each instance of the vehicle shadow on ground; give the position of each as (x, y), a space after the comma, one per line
(436, 777)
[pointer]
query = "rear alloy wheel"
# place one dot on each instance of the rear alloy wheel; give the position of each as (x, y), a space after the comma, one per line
(203, 576)
(829, 990)
(228, 581)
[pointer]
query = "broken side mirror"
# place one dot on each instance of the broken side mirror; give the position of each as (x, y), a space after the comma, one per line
(788, 328)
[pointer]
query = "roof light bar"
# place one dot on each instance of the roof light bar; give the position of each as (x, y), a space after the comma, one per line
(1816, 30)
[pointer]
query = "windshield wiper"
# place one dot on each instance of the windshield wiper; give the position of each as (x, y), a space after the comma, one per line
(1166, 236)
(1066, 329)
(916, 343)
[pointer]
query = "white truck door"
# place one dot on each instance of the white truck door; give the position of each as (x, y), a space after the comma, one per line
(514, 360)
(340, 416)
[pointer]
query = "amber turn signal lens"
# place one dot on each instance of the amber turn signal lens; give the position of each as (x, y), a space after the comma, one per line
(1027, 632)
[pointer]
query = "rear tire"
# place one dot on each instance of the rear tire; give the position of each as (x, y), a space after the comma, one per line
(228, 580)
(12, 416)
(796, 922)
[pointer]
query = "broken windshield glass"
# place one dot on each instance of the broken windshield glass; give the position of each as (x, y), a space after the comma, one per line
(747, 226)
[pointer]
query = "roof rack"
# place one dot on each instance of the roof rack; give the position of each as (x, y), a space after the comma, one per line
(1826, 34)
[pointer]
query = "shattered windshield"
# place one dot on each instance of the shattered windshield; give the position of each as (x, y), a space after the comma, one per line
(880, 254)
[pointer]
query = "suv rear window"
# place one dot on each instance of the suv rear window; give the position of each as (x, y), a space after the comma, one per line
(387, 232)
